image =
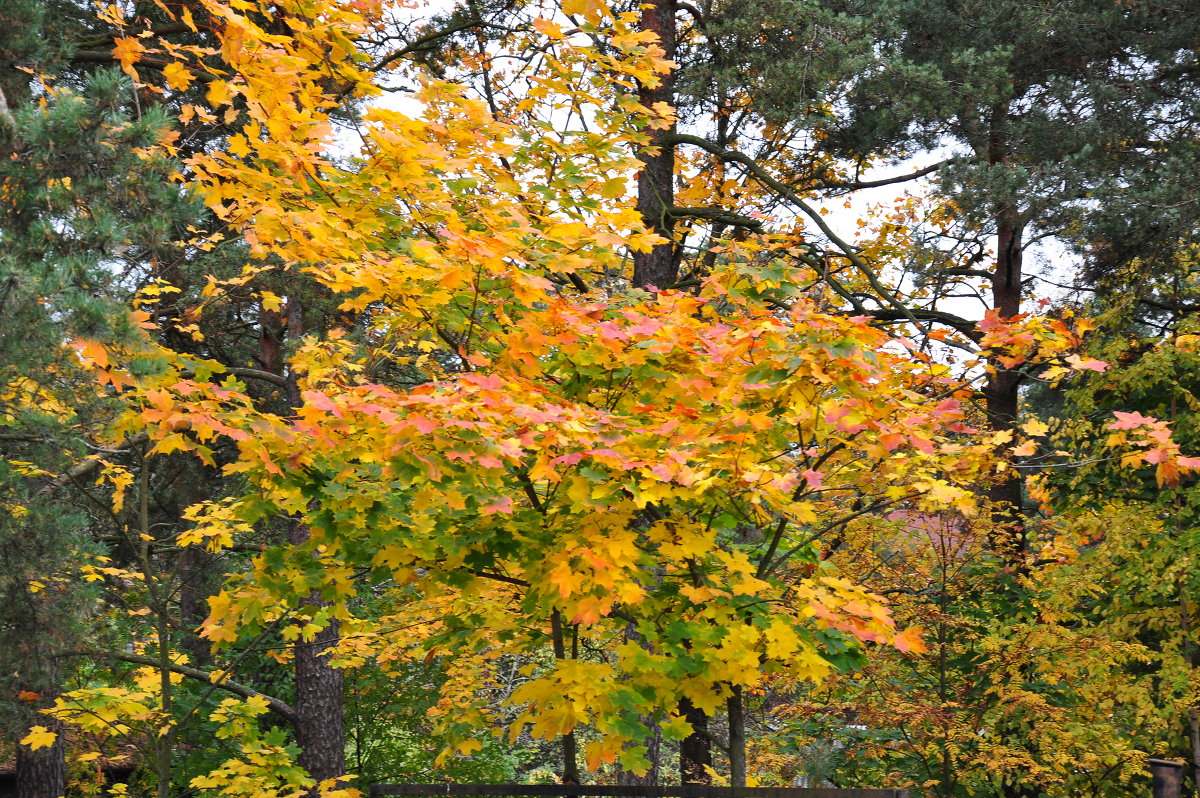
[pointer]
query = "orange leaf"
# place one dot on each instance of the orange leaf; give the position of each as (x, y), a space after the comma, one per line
(910, 641)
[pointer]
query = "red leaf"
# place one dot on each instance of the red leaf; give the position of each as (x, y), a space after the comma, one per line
(1130, 420)
(501, 504)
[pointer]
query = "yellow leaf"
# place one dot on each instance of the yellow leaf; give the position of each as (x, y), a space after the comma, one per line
(1025, 449)
(178, 76)
(270, 301)
(782, 640)
(603, 750)
(39, 737)
(218, 93)
(128, 50)
(613, 189)
(547, 28)
(93, 352)
(588, 8)
(1035, 428)
(910, 640)
(174, 442)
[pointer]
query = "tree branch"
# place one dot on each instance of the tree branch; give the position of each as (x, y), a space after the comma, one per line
(854, 185)
(259, 374)
(964, 326)
(715, 215)
(90, 465)
(285, 711)
(158, 30)
(787, 192)
(422, 42)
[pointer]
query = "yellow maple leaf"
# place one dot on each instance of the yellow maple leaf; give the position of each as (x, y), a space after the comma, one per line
(910, 641)
(39, 737)
(128, 50)
(218, 93)
(271, 301)
(1035, 428)
(589, 8)
(606, 749)
(178, 76)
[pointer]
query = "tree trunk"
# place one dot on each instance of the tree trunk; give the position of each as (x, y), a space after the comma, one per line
(651, 778)
(737, 739)
(320, 725)
(1192, 656)
(570, 768)
(42, 773)
(1002, 391)
(1002, 399)
(658, 268)
(695, 750)
(194, 568)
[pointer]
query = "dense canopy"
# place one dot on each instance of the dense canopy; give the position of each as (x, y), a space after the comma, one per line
(727, 392)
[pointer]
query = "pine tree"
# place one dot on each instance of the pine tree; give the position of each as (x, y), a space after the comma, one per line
(82, 210)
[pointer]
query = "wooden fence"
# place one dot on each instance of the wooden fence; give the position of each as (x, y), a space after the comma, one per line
(592, 791)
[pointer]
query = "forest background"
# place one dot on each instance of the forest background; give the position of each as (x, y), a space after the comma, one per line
(545, 425)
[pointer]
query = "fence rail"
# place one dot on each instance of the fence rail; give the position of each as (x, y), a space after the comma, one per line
(593, 791)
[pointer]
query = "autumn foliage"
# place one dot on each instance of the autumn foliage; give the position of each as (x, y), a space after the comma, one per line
(481, 444)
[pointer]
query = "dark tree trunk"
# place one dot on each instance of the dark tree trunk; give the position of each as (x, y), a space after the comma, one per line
(1002, 391)
(695, 750)
(42, 773)
(195, 567)
(570, 768)
(737, 739)
(653, 745)
(627, 778)
(659, 267)
(320, 725)
(1002, 402)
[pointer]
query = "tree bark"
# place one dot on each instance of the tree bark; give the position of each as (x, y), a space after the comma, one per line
(194, 566)
(695, 750)
(320, 724)
(1002, 391)
(737, 739)
(570, 768)
(627, 778)
(42, 773)
(1192, 656)
(659, 267)
(320, 728)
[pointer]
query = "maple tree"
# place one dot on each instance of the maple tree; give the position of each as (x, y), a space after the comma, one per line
(539, 386)
(626, 468)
